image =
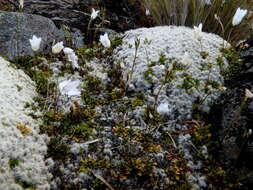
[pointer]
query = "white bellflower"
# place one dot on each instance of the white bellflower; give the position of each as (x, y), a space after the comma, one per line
(35, 43)
(105, 40)
(239, 14)
(94, 14)
(57, 48)
(198, 31)
(71, 57)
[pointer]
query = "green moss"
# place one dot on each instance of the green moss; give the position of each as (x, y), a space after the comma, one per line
(93, 84)
(148, 74)
(13, 163)
(138, 100)
(235, 64)
(162, 59)
(76, 124)
(26, 185)
(189, 82)
(204, 54)
(58, 149)
(39, 73)
(142, 168)
(151, 117)
(91, 163)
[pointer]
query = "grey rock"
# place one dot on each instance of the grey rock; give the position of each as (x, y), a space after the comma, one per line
(17, 28)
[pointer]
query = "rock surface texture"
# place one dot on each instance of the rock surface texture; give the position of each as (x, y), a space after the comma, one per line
(22, 148)
(17, 28)
(174, 66)
(233, 121)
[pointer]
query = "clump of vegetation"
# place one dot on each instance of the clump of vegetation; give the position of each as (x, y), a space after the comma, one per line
(194, 12)
(13, 163)
(235, 64)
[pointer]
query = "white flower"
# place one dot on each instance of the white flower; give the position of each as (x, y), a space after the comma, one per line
(147, 12)
(74, 60)
(71, 57)
(57, 47)
(198, 28)
(163, 109)
(248, 94)
(198, 31)
(250, 132)
(68, 51)
(186, 59)
(239, 14)
(94, 14)
(105, 40)
(70, 88)
(21, 4)
(35, 43)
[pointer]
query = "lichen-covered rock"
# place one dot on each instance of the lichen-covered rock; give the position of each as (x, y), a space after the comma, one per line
(22, 148)
(17, 28)
(174, 66)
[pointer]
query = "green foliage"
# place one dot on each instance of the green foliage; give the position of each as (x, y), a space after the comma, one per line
(194, 12)
(13, 163)
(91, 163)
(189, 82)
(39, 73)
(235, 64)
(151, 117)
(58, 150)
(26, 185)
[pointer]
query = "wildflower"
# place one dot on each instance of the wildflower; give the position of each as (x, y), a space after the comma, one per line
(105, 40)
(21, 4)
(57, 47)
(71, 57)
(198, 28)
(250, 132)
(68, 51)
(35, 43)
(163, 109)
(198, 31)
(94, 14)
(239, 14)
(147, 12)
(70, 88)
(248, 94)
(186, 59)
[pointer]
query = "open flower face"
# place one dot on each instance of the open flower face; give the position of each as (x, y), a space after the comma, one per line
(57, 48)
(35, 43)
(239, 14)
(70, 88)
(94, 14)
(105, 40)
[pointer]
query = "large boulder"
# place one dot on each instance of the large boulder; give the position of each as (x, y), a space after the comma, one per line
(186, 56)
(22, 148)
(17, 28)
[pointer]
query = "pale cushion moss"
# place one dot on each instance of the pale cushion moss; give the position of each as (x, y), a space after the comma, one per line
(22, 148)
(195, 74)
